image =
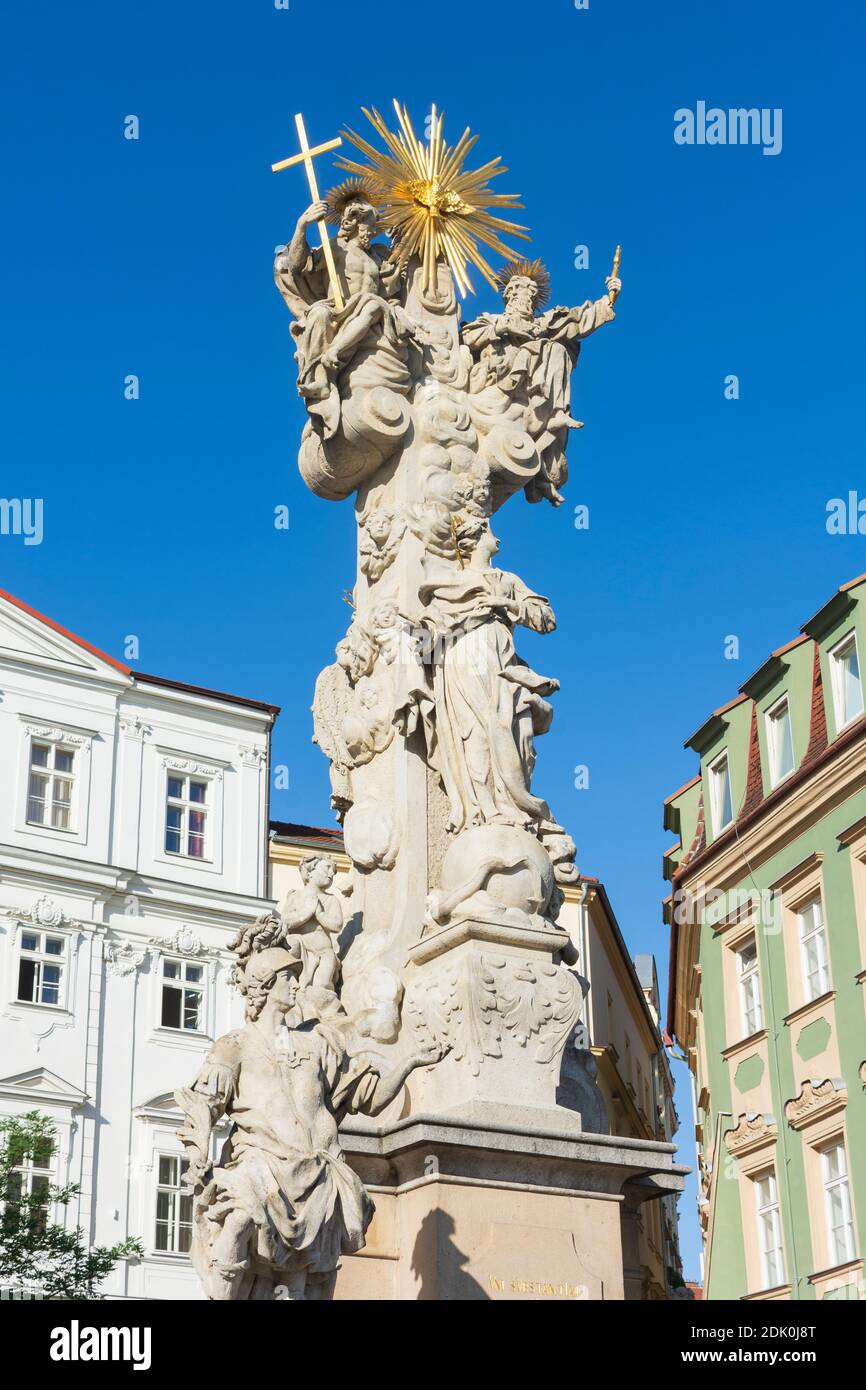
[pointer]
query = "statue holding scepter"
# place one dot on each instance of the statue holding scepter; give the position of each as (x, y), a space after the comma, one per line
(529, 357)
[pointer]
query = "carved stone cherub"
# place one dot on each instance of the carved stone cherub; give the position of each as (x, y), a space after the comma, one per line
(380, 535)
(309, 921)
(313, 916)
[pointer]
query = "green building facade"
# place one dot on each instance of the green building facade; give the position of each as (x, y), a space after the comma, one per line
(767, 999)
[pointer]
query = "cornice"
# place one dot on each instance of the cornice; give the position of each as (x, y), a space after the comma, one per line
(744, 1045)
(813, 1006)
(806, 866)
(853, 832)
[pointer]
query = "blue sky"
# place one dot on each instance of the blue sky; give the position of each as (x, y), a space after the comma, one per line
(153, 257)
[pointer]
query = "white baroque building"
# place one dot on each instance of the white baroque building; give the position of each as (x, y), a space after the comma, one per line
(133, 844)
(134, 841)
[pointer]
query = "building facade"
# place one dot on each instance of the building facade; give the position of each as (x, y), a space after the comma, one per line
(133, 844)
(621, 1023)
(134, 841)
(768, 966)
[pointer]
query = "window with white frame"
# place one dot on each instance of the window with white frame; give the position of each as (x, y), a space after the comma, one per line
(813, 949)
(847, 687)
(50, 785)
(41, 967)
(186, 816)
(749, 980)
(182, 995)
(173, 1226)
(32, 1177)
(769, 1230)
(837, 1204)
(720, 793)
(780, 741)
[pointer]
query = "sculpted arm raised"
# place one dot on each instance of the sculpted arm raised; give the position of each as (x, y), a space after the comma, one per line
(585, 318)
(298, 252)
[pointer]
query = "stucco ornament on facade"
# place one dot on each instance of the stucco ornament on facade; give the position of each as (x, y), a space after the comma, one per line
(52, 733)
(193, 766)
(250, 755)
(136, 728)
(181, 942)
(124, 958)
(816, 1100)
(750, 1132)
(44, 912)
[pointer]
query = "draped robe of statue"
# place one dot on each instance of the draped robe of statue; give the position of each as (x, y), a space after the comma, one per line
(532, 358)
(282, 1166)
(489, 704)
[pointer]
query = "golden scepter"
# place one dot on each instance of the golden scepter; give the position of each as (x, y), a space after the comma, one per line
(614, 272)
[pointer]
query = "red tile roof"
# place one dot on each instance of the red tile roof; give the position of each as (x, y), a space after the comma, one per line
(136, 676)
(64, 632)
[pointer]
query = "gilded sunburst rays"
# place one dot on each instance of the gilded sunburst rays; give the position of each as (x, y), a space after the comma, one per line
(429, 203)
(339, 198)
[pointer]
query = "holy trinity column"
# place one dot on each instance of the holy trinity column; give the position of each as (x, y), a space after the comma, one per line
(445, 971)
(428, 715)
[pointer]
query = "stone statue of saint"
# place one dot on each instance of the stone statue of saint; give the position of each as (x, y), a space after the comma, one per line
(529, 357)
(329, 339)
(274, 1214)
(489, 704)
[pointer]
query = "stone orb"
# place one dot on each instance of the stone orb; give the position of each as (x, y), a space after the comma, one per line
(499, 866)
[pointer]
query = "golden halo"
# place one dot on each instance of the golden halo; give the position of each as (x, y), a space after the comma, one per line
(349, 191)
(431, 206)
(529, 270)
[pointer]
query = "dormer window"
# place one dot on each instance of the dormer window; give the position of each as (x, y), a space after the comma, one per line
(50, 784)
(780, 742)
(720, 794)
(847, 687)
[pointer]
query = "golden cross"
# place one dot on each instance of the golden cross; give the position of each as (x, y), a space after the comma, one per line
(306, 158)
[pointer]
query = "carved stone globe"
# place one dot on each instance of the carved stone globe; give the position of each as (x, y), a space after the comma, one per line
(495, 869)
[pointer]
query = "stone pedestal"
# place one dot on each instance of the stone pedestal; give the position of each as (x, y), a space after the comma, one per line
(491, 991)
(487, 1184)
(497, 1202)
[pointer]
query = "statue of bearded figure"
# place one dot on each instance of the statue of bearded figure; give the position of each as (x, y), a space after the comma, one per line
(528, 357)
(329, 339)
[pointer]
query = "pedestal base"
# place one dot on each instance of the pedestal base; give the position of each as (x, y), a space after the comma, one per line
(494, 1202)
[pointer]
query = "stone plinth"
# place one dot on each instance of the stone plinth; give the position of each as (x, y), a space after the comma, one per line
(492, 992)
(498, 1202)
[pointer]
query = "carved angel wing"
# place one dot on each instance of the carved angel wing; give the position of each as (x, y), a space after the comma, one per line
(331, 704)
